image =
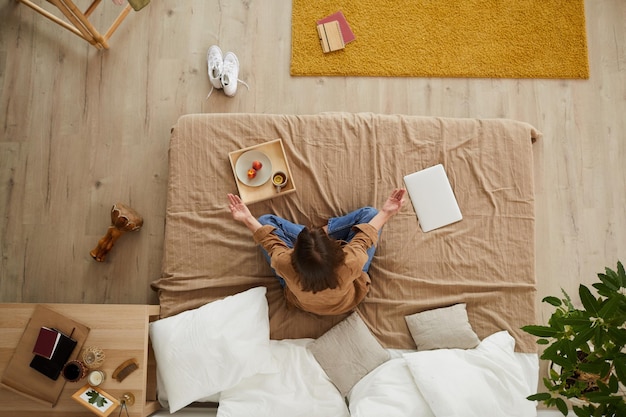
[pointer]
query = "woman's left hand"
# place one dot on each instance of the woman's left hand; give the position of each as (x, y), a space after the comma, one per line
(394, 202)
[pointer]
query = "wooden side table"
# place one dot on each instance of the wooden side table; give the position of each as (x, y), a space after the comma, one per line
(121, 331)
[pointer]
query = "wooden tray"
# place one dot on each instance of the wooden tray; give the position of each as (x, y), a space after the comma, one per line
(19, 377)
(276, 153)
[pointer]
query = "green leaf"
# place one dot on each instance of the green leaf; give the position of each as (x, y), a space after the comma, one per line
(102, 401)
(548, 384)
(601, 398)
(621, 274)
(543, 342)
(598, 338)
(582, 337)
(568, 300)
(610, 279)
(589, 301)
(560, 404)
(620, 368)
(93, 396)
(540, 396)
(561, 361)
(617, 336)
(599, 367)
(603, 289)
(552, 300)
(620, 408)
(576, 321)
(96, 398)
(582, 411)
(609, 308)
(558, 352)
(612, 274)
(613, 383)
(540, 331)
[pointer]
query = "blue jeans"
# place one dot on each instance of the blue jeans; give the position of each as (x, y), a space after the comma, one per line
(339, 228)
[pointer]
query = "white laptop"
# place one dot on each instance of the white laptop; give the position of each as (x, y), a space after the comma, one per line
(432, 198)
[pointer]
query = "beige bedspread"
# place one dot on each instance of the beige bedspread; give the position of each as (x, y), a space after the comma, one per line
(342, 161)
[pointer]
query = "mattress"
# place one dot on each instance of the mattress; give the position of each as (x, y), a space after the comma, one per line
(343, 161)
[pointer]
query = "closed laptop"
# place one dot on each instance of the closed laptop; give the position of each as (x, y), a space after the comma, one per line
(432, 197)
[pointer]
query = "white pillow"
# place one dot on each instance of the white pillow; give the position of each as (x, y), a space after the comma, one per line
(203, 351)
(299, 389)
(482, 382)
(388, 391)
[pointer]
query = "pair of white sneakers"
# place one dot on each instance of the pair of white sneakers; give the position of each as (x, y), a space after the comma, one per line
(223, 71)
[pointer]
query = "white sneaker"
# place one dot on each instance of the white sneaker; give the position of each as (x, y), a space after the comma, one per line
(230, 74)
(215, 63)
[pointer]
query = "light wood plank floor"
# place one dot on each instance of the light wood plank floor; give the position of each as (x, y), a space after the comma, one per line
(81, 129)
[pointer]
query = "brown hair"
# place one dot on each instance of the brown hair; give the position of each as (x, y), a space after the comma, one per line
(316, 257)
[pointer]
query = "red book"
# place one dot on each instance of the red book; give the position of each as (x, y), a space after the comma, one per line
(346, 32)
(47, 342)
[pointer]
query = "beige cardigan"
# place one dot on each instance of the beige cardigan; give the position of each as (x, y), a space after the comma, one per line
(353, 282)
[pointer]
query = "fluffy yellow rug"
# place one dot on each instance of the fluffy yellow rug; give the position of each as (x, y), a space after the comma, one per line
(446, 38)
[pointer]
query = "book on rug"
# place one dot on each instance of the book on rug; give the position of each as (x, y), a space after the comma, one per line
(432, 197)
(346, 33)
(330, 36)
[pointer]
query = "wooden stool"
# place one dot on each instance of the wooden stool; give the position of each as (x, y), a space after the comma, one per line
(79, 23)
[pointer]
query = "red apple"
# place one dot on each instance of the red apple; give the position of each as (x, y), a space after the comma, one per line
(257, 165)
(251, 173)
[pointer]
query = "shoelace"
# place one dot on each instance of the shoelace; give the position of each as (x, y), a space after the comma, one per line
(238, 80)
(244, 83)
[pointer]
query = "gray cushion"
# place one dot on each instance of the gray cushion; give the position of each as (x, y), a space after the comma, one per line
(347, 352)
(442, 328)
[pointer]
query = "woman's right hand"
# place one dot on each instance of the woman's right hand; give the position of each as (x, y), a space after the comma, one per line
(239, 210)
(241, 213)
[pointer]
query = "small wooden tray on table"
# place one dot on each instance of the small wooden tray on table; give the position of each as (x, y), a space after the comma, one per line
(275, 151)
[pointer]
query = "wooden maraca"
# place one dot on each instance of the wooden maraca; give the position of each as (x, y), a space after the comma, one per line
(123, 219)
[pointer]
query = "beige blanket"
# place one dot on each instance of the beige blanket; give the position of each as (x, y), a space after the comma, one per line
(342, 161)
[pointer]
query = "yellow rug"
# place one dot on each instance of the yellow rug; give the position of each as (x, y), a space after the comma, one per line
(445, 38)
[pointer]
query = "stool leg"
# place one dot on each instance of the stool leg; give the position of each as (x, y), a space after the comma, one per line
(86, 24)
(118, 21)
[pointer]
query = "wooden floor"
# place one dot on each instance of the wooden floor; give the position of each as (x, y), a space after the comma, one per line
(81, 129)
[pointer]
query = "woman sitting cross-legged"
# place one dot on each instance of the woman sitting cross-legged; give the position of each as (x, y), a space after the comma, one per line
(323, 269)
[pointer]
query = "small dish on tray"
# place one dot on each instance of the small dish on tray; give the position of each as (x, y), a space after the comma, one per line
(244, 163)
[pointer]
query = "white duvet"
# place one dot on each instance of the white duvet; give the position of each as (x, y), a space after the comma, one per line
(488, 381)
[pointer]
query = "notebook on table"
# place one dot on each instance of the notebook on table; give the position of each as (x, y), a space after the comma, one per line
(432, 197)
(52, 366)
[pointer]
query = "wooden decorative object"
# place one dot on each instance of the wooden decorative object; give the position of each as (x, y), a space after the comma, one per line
(123, 219)
(125, 368)
(93, 357)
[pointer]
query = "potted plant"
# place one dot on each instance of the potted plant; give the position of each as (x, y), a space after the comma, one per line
(585, 347)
